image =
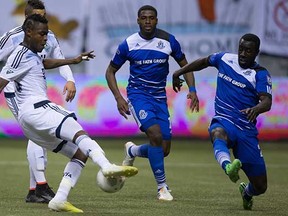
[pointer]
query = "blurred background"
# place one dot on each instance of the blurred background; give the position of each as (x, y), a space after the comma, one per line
(201, 26)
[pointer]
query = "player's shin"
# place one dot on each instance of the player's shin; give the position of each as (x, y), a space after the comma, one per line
(156, 159)
(71, 175)
(221, 152)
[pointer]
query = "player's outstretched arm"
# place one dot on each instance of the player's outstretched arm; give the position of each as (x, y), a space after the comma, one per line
(54, 63)
(196, 65)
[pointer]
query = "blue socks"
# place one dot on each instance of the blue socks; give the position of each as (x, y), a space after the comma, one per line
(221, 152)
(156, 159)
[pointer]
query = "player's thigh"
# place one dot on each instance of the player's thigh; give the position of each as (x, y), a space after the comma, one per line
(143, 112)
(53, 120)
(68, 149)
(163, 119)
(43, 125)
(248, 151)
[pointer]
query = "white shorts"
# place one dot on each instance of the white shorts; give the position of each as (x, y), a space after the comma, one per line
(42, 122)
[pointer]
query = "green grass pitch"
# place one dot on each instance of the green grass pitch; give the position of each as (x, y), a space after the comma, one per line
(198, 184)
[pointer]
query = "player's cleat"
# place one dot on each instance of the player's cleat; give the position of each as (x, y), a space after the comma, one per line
(128, 160)
(232, 170)
(63, 207)
(32, 198)
(45, 192)
(164, 194)
(247, 204)
(112, 171)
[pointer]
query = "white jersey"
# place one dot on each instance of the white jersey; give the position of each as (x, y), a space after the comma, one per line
(11, 39)
(40, 119)
(26, 69)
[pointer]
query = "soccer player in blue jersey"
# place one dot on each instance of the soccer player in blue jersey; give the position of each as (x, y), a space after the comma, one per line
(148, 52)
(244, 90)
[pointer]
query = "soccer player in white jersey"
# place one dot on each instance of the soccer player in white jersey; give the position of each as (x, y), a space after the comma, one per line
(39, 190)
(244, 90)
(47, 123)
(148, 52)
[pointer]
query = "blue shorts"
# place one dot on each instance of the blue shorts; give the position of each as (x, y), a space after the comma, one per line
(245, 146)
(148, 111)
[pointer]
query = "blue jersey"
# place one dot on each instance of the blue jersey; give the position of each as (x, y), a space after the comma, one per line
(148, 62)
(238, 88)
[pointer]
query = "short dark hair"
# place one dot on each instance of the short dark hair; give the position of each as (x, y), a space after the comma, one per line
(147, 7)
(32, 5)
(252, 37)
(31, 20)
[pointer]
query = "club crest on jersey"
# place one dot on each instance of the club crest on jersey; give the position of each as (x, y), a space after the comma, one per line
(142, 114)
(247, 72)
(160, 45)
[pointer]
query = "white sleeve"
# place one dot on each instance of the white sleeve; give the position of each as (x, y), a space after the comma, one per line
(10, 72)
(9, 41)
(6, 47)
(65, 71)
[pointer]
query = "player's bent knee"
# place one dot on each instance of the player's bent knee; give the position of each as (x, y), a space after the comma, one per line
(218, 133)
(261, 189)
(80, 156)
(78, 134)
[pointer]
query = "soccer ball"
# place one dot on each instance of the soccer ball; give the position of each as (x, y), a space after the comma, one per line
(110, 185)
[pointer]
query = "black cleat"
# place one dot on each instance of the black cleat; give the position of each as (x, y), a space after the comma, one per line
(45, 192)
(32, 198)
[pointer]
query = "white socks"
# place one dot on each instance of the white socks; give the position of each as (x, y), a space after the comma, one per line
(71, 175)
(93, 150)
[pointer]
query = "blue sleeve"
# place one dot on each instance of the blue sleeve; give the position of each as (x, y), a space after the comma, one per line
(121, 55)
(215, 58)
(177, 53)
(263, 82)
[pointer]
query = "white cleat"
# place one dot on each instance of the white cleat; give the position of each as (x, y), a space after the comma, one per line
(164, 194)
(112, 171)
(63, 207)
(128, 160)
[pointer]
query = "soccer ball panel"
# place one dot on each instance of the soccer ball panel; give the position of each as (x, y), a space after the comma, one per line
(110, 185)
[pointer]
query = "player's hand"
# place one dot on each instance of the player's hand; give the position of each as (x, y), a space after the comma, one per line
(86, 56)
(194, 105)
(251, 113)
(122, 106)
(177, 83)
(70, 89)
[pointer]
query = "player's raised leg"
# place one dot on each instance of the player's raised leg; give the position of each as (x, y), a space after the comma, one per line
(85, 147)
